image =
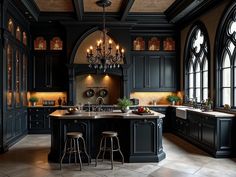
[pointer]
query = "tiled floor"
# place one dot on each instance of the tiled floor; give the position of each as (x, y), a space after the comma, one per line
(28, 158)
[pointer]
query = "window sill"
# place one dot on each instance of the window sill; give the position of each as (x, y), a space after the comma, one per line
(221, 109)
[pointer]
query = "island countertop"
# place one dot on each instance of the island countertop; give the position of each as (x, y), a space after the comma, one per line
(64, 114)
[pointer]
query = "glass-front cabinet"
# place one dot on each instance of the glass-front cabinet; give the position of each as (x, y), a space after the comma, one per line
(24, 80)
(153, 43)
(9, 76)
(17, 83)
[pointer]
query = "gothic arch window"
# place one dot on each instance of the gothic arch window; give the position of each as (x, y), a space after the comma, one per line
(197, 56)
(226, 53)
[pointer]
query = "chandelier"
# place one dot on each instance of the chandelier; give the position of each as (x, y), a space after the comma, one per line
(104, 57)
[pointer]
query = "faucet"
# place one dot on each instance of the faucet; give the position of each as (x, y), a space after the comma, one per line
(100, 100)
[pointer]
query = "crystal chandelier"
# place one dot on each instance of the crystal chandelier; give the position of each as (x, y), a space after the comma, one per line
(104, 57)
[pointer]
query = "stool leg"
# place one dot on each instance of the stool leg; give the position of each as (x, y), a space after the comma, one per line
(64, 153)
(111, 152)
(80, 161)
(118, 143)
(70, 150)
(85, 150)
(100, 149)
(104, 148)
(74, 150)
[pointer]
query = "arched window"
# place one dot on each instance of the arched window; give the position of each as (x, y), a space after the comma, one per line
(226, 58)
(197, 56)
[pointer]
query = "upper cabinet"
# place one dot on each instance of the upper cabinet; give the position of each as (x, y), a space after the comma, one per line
(153, 61)
(153, 43)
(48, 64)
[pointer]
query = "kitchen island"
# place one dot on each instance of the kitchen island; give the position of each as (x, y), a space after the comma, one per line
(140, 135)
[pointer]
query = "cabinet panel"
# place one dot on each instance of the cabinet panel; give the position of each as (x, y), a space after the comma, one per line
(208, 131)
(140, 130)
(49, 72)
(168, 72)
(138, 72)
(154, 72)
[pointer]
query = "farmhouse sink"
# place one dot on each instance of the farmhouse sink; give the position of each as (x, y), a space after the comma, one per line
(182, 112)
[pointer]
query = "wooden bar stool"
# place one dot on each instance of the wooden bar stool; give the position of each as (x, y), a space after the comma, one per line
(103, 146)
(72, 146)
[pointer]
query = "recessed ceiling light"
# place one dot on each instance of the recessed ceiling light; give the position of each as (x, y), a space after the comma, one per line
(26, 12)
(30, 16)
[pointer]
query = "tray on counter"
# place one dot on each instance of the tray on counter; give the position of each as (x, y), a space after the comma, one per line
(142, 113)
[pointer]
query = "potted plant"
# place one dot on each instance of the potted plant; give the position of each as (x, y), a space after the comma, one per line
(33, 100)
(124, 104)
(173, 99)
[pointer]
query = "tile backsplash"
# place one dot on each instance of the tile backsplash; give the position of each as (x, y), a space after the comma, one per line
(151, 98)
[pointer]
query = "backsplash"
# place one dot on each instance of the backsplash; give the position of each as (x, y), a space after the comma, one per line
(42, 96)
(151, 98)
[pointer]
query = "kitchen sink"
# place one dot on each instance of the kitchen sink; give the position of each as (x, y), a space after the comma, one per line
(182, 112)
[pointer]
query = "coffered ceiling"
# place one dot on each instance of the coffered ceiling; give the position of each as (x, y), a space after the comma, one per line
(150, 6)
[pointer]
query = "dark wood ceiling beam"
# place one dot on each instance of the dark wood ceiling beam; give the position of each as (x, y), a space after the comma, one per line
(32, 7)
(125, 8)
(79, 9)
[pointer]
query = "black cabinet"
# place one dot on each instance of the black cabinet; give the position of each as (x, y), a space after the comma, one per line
(212, 134)
(153, 72)
(38, 119)
(49, 72)
(142, 148)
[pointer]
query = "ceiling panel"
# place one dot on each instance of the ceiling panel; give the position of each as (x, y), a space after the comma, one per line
(55, 5)
(151, 5)
(91, 6)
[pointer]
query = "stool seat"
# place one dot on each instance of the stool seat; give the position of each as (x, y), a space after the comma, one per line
(109, 133)
(74, 134)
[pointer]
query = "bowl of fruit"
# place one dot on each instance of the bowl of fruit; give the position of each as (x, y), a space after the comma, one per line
(144, 111)
(73, 110)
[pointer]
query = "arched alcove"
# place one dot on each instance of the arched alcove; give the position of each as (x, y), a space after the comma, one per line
(91, 40)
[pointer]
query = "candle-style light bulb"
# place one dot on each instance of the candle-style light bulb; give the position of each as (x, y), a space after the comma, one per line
(110, 41)
(122, 50)
(91, 47)
(117, 47)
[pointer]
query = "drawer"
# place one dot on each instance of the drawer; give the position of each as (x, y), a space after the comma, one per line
(36, 110)
(36, 117)
(36, 125)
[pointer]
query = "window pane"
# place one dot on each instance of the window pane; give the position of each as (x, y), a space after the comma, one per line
(234, 97)
(205, 65)
(205, 79)
(226, 77)
(199, 39)
(231, 47)
(205, 93)
(190, 80)
(198, 77)
(226, 96)
(198, 95)
(226, 60)
(235, 76)
(190, 93)
(197, 67)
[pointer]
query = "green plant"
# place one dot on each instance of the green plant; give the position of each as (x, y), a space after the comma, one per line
(172, 98)
(124, 103)
(33, 99)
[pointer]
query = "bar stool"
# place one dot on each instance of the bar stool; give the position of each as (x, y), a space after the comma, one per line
(72, 146)
(104, 148)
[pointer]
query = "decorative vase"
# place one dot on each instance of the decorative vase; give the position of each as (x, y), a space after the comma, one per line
(173, 103)
(125, 110)
(33, 103)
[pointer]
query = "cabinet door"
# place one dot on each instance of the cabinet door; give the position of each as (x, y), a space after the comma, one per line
(143, 137)
(194, 125)
(138, 72)
(153, 72)
(208, 131)
(168, 77)
(39, 72)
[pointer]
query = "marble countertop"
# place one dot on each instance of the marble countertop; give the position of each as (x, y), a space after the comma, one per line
(209, 113)
(63, 114)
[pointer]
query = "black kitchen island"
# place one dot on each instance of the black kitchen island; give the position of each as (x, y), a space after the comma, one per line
(140, 135)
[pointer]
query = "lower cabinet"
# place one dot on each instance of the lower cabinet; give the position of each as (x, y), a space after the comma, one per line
(142, 148)
(38, 119)
(212, 134)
